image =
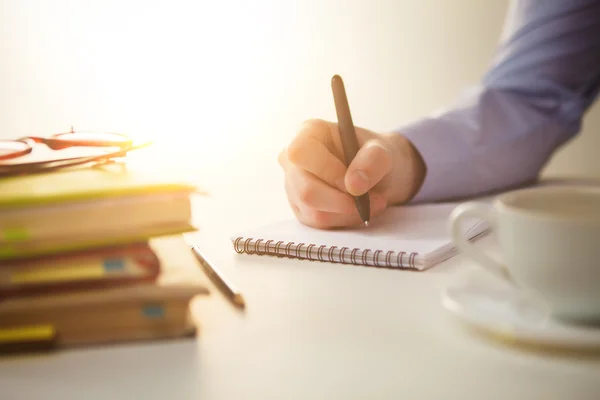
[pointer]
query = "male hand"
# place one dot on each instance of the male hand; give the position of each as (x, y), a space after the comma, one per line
(320, 188)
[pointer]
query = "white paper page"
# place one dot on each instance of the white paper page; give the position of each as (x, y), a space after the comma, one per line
(416, 228)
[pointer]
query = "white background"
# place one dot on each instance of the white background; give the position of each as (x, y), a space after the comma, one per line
(221, 86)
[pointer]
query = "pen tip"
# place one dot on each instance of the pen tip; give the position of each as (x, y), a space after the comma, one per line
(366, 223)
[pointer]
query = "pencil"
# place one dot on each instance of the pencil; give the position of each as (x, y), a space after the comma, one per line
(349, 140)
(219, 279)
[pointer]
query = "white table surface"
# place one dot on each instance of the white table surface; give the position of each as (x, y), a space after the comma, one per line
(311, 331)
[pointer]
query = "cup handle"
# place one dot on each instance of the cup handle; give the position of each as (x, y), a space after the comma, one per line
(482, 211)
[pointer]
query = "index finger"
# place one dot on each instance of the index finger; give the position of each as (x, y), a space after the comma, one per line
(310, 152)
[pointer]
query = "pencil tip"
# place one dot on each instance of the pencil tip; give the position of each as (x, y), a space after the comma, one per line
(239, 300)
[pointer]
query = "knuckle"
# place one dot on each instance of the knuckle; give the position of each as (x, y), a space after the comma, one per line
(379, 149)
(306, 194)
(317, 219)
(316, 124)
(317, 128)
(324, 168)
(379, 152)
(321, 219)
(301, 146)
(296, 150)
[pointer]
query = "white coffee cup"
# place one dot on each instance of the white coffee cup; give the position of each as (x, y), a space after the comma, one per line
(549, 238)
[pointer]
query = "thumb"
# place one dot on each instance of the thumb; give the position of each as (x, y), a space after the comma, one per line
(373, 161)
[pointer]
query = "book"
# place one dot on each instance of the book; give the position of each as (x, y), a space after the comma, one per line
(87, 269)
(71, 185)
(89, 207)
(160, 309)
(412, 236)
(112, 315)
(104, 214)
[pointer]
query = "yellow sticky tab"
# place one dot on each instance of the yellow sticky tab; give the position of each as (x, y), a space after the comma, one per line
(27, 333)
(15, 234)
(48, 275)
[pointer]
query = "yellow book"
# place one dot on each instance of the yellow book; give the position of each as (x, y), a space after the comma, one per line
(83, 208)
(81, 184)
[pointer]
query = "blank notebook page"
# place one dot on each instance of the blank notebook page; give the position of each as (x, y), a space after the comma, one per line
(416, 236)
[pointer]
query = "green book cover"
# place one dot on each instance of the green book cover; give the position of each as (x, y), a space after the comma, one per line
(65, 186)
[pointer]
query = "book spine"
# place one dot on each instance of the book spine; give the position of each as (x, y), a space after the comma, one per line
(314, 252)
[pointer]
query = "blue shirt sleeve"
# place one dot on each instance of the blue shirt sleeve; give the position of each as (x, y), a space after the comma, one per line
(501, 133)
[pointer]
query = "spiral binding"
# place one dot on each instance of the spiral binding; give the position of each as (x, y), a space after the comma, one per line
(345, 255)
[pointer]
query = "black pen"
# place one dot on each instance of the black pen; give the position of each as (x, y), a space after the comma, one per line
(349, 140)
(218, 279)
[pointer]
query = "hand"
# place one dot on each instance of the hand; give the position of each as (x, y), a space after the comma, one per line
(320, 188)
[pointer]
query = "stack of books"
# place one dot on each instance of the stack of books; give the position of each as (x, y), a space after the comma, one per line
(85, 257)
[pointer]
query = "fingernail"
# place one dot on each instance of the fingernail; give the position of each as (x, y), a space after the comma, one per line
(359, 182)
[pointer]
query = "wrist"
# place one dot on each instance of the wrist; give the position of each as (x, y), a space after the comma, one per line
(408, 171)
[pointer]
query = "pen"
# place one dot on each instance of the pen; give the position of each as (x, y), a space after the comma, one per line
(218, 279)
(349, 140)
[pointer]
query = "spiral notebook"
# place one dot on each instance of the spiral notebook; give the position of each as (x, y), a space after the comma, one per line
(414, 237)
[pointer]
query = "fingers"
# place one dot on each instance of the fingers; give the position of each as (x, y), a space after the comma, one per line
(331, 220)
(319, 205)
(318, 183)
(373, 161)
(311, 192)
(313, 151)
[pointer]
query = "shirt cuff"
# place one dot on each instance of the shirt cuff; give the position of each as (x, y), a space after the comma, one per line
(422, 135)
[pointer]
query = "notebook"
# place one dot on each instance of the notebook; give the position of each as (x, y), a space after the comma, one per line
(415, 237)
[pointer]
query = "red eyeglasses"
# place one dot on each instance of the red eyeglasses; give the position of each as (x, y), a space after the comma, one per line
(12, 150)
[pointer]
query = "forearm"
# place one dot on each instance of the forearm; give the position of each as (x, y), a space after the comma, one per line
(532, 100)
(495, 141)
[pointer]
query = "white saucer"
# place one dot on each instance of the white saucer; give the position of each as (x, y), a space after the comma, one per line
(492, 306)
